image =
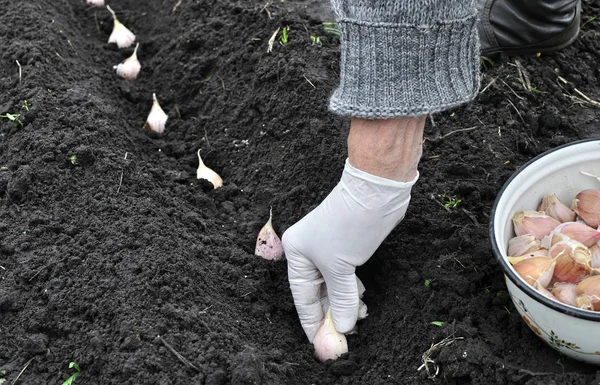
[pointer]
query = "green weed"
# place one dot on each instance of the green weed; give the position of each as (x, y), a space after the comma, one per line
(72, 365)
(437, 323)
(331, 28)
(13, 118)
(284, 35)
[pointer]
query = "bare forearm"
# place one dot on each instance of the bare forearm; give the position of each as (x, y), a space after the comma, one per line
(388, 148)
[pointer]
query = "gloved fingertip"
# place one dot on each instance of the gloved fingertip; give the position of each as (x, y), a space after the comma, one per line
(344, 324)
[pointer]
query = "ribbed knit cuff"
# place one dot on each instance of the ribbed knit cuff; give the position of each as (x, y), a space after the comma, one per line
(390, 70)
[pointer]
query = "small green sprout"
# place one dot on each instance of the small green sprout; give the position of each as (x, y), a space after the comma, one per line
(315, 40)
(13, 118)
(449, 201)
(437, 323)
(428, 283)
(3, 372)
(331, 28)
(588, 21)
(284, 35)
(485, 59)
(73, 159)
(72, 365)
(26, 105)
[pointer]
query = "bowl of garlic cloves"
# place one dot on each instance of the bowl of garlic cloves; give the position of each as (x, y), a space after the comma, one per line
(544, 234)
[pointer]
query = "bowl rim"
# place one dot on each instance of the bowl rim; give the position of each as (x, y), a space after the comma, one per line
(509, 271)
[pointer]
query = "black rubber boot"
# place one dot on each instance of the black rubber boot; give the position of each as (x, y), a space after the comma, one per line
(521, 27)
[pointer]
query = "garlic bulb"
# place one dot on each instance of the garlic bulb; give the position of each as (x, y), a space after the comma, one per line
(97, 3)
(268, 244)
(120, 34)
(156, 118)
(204, 172)
(328, 343)
(130, 67)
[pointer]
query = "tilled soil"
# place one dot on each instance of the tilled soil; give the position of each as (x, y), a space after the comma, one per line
(113, 255)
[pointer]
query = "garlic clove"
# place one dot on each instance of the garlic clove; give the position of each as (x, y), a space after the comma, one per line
(204, 172)
(553, 207)
(573, 261)
(523, 244)
(156, 118)
(130, 67)
(120, 35)
(543, 290)
(595, 251)
(552, 239)
(588, 293)
(579, 232)
(97, 3)
(587, 206)
(268, 244)
(536, 269)
(564, 292)
(535, 223)
(328, 343)
(536, 253)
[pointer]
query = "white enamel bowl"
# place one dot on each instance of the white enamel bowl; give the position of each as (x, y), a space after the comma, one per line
(573, 332)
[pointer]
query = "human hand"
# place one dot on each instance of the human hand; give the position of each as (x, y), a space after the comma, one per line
(324, 248)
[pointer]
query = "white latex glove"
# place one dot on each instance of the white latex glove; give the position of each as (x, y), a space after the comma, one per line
(341, 233)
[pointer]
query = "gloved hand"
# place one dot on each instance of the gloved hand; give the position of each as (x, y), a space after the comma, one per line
(343, 232)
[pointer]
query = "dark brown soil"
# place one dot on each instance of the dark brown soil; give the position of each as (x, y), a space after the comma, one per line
(109, 258)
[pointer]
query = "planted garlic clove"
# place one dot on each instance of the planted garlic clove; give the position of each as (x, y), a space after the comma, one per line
(587, 293)
(328, 343)
(536, 269)
(537, 253)
(156, 118)
(523, 244)
(130, 67)
(553, 207)
(545, 292)
(587, 206)
(204, 172)
(579, 232)
(564, 292)
(97, 3)
(268, 244)
(573, 261)
(120, 35)
(535, 223)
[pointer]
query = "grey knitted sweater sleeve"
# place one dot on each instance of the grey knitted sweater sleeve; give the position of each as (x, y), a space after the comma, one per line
(405, 57)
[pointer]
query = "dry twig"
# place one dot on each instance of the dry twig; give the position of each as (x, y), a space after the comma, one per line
(179, 356)
(426, 357)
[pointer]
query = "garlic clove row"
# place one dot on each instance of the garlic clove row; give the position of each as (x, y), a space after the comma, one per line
(268, 244)
(120, 35)
(157, 118)
(130, 67)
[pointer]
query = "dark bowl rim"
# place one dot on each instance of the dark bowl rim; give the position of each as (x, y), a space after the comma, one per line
(508, 270)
